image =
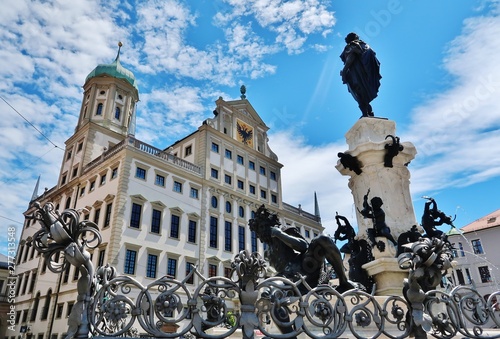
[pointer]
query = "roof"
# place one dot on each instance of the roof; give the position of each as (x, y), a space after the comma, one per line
(115, 70)
(488, 221)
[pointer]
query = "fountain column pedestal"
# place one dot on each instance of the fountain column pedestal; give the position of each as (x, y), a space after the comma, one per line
(367, 141)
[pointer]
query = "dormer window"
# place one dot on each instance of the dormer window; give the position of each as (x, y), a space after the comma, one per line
(117, 113)
(99, 109)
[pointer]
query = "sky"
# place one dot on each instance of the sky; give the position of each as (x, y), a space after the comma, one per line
(440, 84)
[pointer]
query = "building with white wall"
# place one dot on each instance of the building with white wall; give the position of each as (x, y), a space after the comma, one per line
(478, 254)
(160, 211)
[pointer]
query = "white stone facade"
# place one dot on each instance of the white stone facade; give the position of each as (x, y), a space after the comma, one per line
(158, 210)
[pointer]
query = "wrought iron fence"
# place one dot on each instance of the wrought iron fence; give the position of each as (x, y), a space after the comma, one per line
(112, 306)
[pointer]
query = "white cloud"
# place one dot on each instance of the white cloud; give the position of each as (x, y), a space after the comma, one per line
(307, 169)
(456, 131)
(291, 21)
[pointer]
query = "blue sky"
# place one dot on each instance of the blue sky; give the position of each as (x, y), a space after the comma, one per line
(438, 63)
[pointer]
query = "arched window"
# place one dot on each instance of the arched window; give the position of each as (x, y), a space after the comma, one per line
(117, 113)
(99, 109)
(46, 306)
(215, 203)
(35, 307)
(241, 212)
(228, 207)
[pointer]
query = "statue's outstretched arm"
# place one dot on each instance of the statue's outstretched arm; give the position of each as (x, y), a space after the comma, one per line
(296, 243)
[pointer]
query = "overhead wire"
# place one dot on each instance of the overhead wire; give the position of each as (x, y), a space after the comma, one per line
(29, 122)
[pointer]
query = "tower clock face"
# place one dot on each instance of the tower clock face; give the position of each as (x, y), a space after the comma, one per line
(244, 133)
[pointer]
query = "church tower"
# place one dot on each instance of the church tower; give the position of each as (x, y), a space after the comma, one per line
(107, 116)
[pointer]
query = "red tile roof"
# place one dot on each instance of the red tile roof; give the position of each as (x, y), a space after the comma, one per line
(488, 221)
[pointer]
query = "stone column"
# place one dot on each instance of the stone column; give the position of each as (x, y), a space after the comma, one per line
(366, 141)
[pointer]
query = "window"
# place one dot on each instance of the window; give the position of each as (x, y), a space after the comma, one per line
(103, 179)
(241, 184)
(228, 236)
(241, 238)
(241, 211)
(251, 165)
(46, 306)
(117, 113)
(262, 170)
(477, 247)
(92, 186)
(274, 198)
(69, 308)
(229, 154)
(20, 283)
(212, 270)
(79, 147)
(172, 268)
(75, 172)
(32, 282)
(156, 221)
(174, 226)
(66, 274)
(272, 175)
(460, 277)
(251, 188)
(59, 310)
(140, 173)
(68, 203)
(229, 207)
(35, 307)
(461, 247)
(160, 180)
(215, 147)
(129, 267)
(227, 272)
(227, 179)
(239, 159)
(97, 214)
(114, 172)
(135, 216)
(193, 193)
(99, 109)
(107, 219)
(469, 278)
(214, 173)
(192, 231)
(100, 261)
(68, 155)
(214, 202)
(63, 180)
(82, 191)
(254, 241)
(25, 283)
(177, 187)
(151, 267)
(263, 194)
(188, 150)
(307, 233)
(189, 268)
(213, 232)
(484, 273)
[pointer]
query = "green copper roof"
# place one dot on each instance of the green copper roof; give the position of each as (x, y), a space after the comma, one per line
(114, 69)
